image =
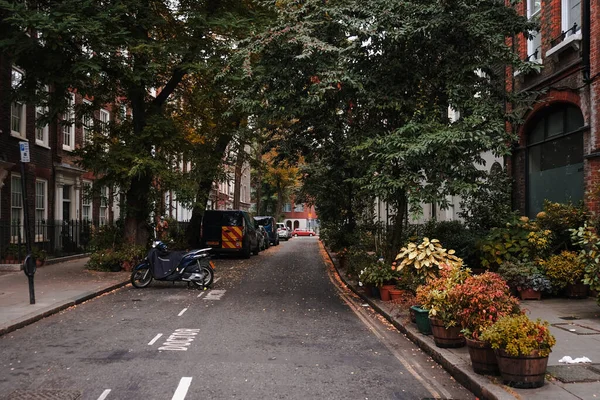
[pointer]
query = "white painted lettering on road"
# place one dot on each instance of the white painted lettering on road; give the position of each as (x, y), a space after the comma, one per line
(150, 343)
(214, 295)
(182, 311)
(104, 394)
(184, 385)
(179, 340)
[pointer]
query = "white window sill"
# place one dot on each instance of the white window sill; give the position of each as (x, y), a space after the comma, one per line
(18, 136)
(42, 144)
(67, 148)
(570, 41)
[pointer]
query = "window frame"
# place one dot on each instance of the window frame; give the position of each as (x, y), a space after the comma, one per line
(566, 16)
(530, 42)
(103, 209)
(103, 124)
(69, 130)
(86, 201)
(16, 231)
(22, 132)
(40, 231)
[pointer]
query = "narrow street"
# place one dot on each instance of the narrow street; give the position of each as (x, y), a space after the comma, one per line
(276, 326)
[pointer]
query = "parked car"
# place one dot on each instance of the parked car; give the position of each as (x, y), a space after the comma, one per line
(303, 232)
(269, 223)
(229, 231)
(283, 231)
(264, 237)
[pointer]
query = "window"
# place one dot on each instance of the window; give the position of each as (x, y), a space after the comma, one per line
(69, 126)
(16, 209)
(287, 207)
(40, 210)
(86, 203)
(534, 45)
(104, 206)
(123, 112)
(299, 208)
(104, 121)
(571, 15)
(41, 132)
(87, 122)
(17, 108)
(555, 158)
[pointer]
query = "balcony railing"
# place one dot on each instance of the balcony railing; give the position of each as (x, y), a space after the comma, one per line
(571, 31)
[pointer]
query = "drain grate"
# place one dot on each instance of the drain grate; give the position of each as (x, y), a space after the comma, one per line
(574, 373)
(577, 329)
(44, 395)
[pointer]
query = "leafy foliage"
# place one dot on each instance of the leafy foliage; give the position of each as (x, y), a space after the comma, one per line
(425, 260)
(587, 239)
(377, 273)
(559, 218)
(564, 269)
(520, 336)
(523, 275)
(481, 300)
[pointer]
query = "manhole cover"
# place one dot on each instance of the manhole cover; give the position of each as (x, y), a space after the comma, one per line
(44, 395)
(573, 373)
(577, 329)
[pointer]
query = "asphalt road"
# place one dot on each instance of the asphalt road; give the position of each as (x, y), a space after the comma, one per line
(276, 326)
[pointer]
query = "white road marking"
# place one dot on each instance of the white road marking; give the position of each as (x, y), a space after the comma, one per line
(150, 343)
(104, 394)
(179, 340)
(214, 295)
(200, 295)
(217, 280)
(182, 311)
(184, 385)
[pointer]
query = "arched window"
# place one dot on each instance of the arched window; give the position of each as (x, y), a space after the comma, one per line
(555, 158)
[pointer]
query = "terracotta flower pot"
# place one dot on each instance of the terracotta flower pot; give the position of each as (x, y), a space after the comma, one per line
(446, 337)
(396, 294)
(529, 294)
(384, 292)
(524, 372)
(483, 357)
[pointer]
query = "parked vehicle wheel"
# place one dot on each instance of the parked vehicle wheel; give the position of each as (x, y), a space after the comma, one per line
(295, 235)
(141, 278)
(310, 235)
(209, 276)
(246, 250)
(256, 249)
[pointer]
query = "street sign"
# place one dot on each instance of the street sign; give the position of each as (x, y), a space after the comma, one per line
(24, 148)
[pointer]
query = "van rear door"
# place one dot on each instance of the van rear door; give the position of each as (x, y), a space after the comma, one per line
(232, 230)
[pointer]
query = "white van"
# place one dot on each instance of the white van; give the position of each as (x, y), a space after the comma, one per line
(282, 231)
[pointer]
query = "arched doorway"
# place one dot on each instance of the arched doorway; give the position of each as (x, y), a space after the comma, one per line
(555, 157)
(296, 224)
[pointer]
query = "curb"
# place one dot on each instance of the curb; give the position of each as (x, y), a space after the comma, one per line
(78, 300)
(487, 391)
(50, 261)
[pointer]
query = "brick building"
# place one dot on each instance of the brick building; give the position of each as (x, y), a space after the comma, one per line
(557, 156)
(60, 210)
(300, 216)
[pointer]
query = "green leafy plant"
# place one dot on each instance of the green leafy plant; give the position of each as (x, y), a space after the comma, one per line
(520, 336)
(105, 260)
(524, 275)
(435, 295)
(559, 219)
(586, 237)
(377, 273)
(481, 300)
(520, 240)
(564, 269)
(39, 254)
(425, 260)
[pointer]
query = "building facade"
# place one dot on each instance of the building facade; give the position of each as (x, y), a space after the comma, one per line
(557, 156)
(300, 216)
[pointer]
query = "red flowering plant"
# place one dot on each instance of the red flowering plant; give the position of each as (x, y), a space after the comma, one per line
(480, 301)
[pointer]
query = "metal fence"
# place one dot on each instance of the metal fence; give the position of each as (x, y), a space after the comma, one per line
(55, 238)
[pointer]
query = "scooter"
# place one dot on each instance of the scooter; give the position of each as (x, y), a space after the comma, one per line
(163, 265)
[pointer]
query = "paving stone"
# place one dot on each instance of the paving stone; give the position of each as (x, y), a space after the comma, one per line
(44, 395)
(573, 373)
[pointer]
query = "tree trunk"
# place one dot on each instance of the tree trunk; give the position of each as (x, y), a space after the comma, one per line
(237, 185)
(395, 241)
(279, 208)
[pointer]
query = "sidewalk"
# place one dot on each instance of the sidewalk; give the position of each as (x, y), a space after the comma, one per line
(57, 286)
(574, 323)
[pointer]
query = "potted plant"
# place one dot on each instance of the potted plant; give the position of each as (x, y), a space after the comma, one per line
(566, 271)
(40, 256)
(522, 347)
(377, 274)
(526, 278)
(443, 309)
(481, 300)
(425, 260)
(588, 241)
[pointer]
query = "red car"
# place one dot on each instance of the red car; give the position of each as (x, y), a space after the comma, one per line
(303, 232)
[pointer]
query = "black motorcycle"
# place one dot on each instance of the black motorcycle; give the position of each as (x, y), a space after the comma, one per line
(163, 265)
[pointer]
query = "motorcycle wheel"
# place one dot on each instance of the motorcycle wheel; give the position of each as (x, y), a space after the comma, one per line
(141, 278)
(208, 278)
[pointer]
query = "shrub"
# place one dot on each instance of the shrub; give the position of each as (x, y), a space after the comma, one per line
(106, 260)
(435, 295)
(588, 241)
(455, 235)
(377, 273)
(564, 269)
(559, 218)
(520, 336)
(524, 275)
(520, 240)
(481, 300)
(425, 259)
(106, 237)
